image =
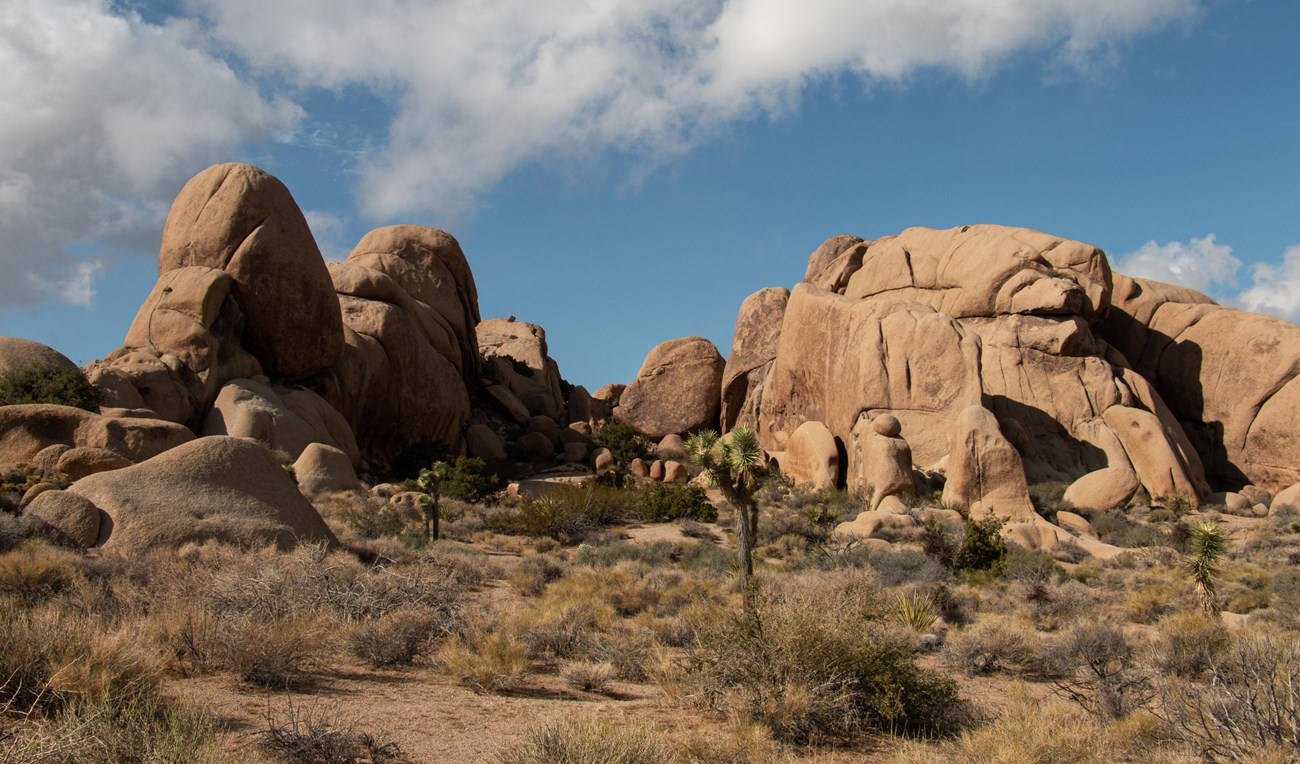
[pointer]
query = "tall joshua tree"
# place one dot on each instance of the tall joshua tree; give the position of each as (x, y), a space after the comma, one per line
(736, 464)
(1207, 543)
(430, 481)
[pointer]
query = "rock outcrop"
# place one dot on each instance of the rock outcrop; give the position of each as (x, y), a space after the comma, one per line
(223, 489)
(286, 419)
(753, 349)
(28, 429)
(17, 353)
(515, 356)
(883, 459)
(812, 457)
(677, 390)
(985, 472)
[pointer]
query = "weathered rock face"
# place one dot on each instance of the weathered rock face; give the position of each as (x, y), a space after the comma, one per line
(753, 349)
(812, 457)
(676, 391)
(1231, 378)
(882, 458)
(240, 220)
(26, 430)
(514, 355)
(217, 488)
(410, 354)
(17, 353)
(985, 473)
(287, 419)
(1102, 490)
(839, 358)
(322, 469)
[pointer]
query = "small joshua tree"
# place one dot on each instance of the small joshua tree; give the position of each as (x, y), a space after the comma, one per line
(430, 481)
(1207, 543)
(736, 464)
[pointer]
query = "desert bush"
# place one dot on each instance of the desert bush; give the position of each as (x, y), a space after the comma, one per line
(1096, 667)
(655, 554)
(587, 676)
(815, 661)
(705, 557)
(36, 571)
(567, 513)
(623, 442)
(534, 572)
(121, 731)
(661, 502)
(317, 736)
(584, 742)
(396, 638)
(559, 628)
(486, 661)
(1284, 593)
(469, 479)
(276, 654)
(982, 547)
(1060, 605)
(627, 647)
(1148, 604)
(916, 611)
(992, 645)
(48, 383)
(1117, 529)
(1250, 704)
(1189, 644)
(893, 567)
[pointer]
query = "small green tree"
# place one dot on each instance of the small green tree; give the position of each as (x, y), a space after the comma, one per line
(737, 465)
(48, 383)
(1207, 543)
(430, 481)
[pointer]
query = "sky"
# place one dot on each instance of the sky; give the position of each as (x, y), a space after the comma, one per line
(623, 172)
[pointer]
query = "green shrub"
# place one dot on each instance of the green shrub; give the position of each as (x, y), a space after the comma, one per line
(623, 442)
(49, 383)
(567, 512)
(469, 479)
(982, 547)
(662, 502)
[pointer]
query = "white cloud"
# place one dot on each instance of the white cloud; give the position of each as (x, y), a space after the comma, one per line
(104, 117)
(1201, 264)
(328, 229)
(1276, 289)
(482, 86)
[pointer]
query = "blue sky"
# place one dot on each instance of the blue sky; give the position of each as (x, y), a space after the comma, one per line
(626, 171)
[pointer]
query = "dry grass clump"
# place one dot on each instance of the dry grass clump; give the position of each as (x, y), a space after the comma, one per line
(1189, 643)
(1097, 666)
(484, 659)
(397, 638)
(815, 660)
(316, 736)
(588, 676)
(534, 572)
(37, 571)
(992, 645)
(586, 742)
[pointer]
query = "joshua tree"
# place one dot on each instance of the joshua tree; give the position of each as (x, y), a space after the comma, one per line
(737, 466)
(1206, 545)
(430, 481)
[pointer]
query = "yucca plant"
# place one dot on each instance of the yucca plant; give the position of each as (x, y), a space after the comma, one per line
(737, 465)
(916, 612)
(1207, 543)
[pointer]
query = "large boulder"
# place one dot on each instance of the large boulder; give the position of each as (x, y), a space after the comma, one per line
(322, 469)
(514, 355)
(812, 458)
(17, 353)
(26, 430)
(1231, 378)
(839, 358)
(985, 473)
(287, 419)
(676, 391)
(238, 219)
(881, 459)
(210, 489)
(753, 349)
(832, 264)
(1103, 490)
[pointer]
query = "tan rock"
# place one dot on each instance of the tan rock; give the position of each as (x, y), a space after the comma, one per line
(1102, 490)
(676, 472)
(812, 458)
(575, 453)
(546, 426)
(1255, 494)
(985, 473)
(237, 218)
(322, 469)
(880, 461)
(407, 505)
(671, 447)
(72, 515)
(28, 429)
(216, 488)
(47, 459)
(515, 355)
(753, 349)
(638, 467)
(828, 253)
(1234, 503)
(602, 459)
(37, 490)
(536, 447)
(581, 407)
(287, 419)
(17, 353)
(483, 442)
(1157, 465)
(676, 391)
(656, 470)
(867, 523)
(609, 395)
(1076, 524)
(77, 463)
(840, 357)
(1286, 499)
(1034, 535)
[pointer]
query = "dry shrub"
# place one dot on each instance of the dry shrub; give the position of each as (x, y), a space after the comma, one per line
(1189, 644)
(1030, 730)
(122, 731)
(485, 660)
(318, 736)
(275, 653)
(992, 645)
(1148, 604)
(37, 571)
(814, 660)
(1250, 704)
(628, 647)
(1096, 666)
(397, 638)
(558, 628)
(587, 742)
(533, 573)
(587, 676)
(1056, 607)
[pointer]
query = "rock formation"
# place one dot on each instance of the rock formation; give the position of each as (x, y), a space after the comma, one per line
(753, 349)
(515, 356)
(677, 390)
(17, 353)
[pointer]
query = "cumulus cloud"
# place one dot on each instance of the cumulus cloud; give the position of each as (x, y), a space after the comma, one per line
(1201, 264)
(481, 86)
(104, 116)
(1276, 288)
